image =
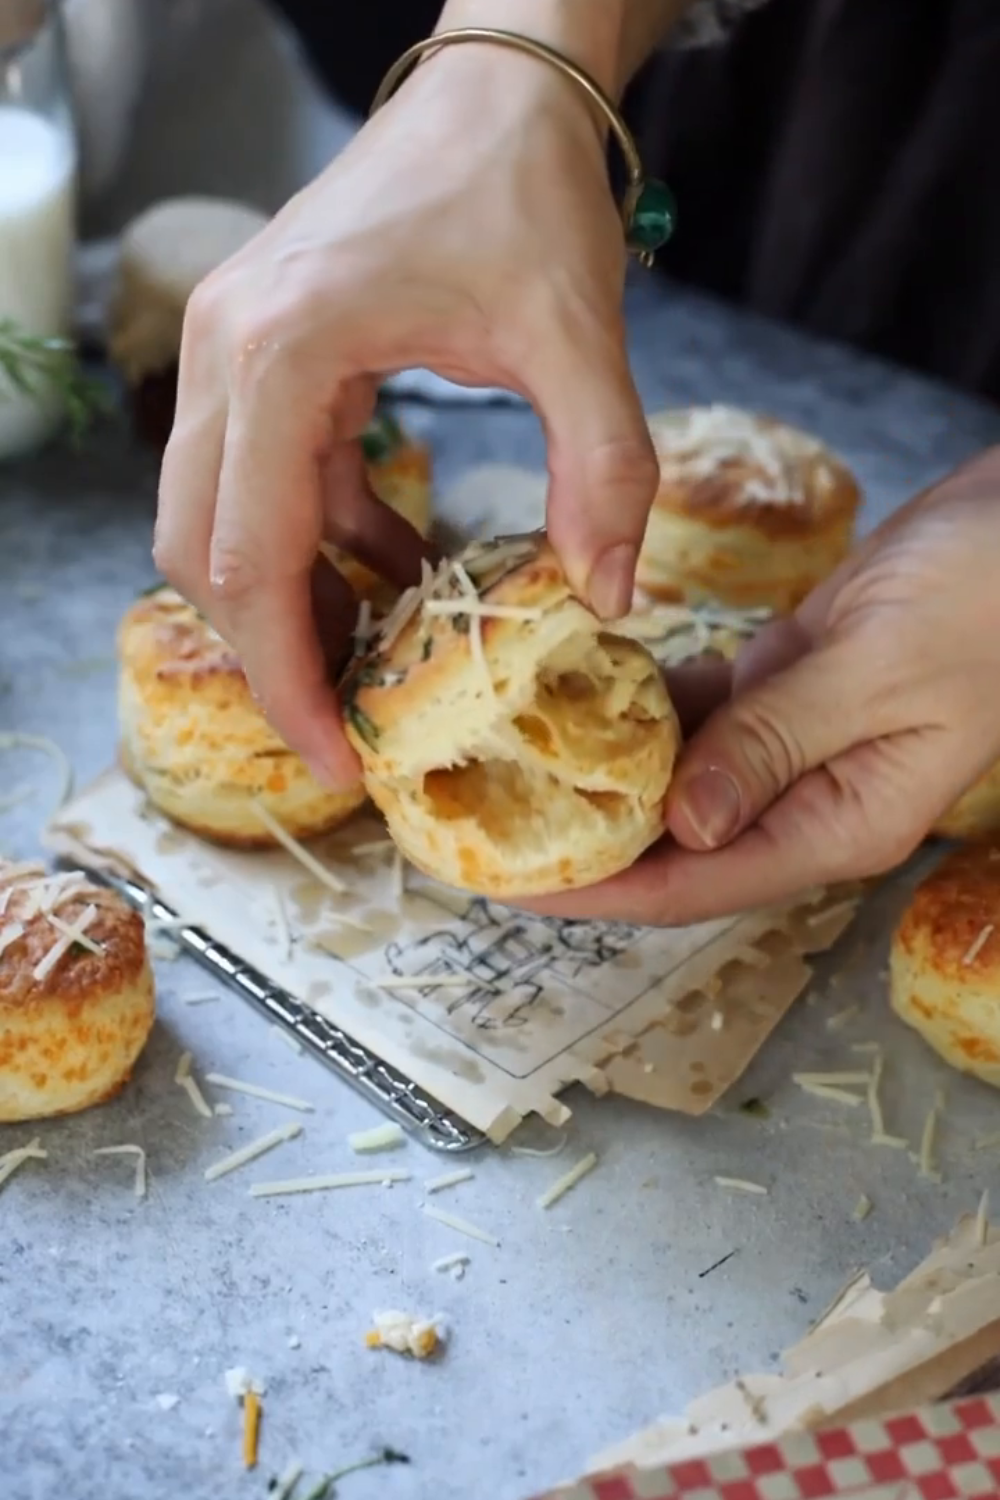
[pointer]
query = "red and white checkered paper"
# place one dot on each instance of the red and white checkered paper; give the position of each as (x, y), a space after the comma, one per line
(949, 1451)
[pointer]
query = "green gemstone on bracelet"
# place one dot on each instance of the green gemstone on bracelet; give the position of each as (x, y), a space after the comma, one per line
(653, 218)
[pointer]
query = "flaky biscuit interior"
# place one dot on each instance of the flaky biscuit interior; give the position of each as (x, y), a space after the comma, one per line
(519, 748)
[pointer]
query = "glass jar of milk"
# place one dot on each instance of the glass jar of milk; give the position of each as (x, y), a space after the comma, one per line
(37, 210)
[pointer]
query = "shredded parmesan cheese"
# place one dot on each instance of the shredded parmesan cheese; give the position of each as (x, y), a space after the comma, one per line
(17, 741)
(140, 1163)
(326, 1184)
(862, 1208)
(839, 909)
(983, 1220)
(63, 944)
(238, 1383)
(462, 1226)
(475, 627)
(843, 1018)
(194, 1093)
(252, 1151)
(741, 1185)
(237, 1086)
(298, 851)
(833, 1078)
(451, 1262)
(288, 1482)
(827, 1091)
(898, 1142)
(12, 1160)
(363, 628)
(373, 846)
(382, 1138)
(448, 1180)
(569, 1179)
(873, 1096)
(974, 950)
(184, 1077)
(77, 937)
(482, 609)
(555, 1150)
(925, 1161)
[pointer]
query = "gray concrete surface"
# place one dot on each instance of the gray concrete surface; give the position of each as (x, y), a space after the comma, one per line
(588, 1321)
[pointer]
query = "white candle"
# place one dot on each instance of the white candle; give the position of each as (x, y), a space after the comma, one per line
(37, 170)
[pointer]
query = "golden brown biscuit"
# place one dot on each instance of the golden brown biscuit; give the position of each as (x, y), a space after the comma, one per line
(72, 1020)
(194, 739)
(976, 814)
(515, 746)
(749, 511)
(945, 961)
(164, 253)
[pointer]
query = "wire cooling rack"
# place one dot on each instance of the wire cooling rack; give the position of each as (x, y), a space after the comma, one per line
(391, 1091)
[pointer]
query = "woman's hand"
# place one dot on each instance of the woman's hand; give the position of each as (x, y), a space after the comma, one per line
(469, 228)
(850, 728)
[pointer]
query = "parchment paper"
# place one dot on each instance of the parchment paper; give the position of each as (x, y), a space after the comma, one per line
(871, 1353)
(538, 1004)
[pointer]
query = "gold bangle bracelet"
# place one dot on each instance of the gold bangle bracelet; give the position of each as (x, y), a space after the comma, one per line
(648, 210)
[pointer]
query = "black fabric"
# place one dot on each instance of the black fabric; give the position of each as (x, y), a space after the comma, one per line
(836, 163)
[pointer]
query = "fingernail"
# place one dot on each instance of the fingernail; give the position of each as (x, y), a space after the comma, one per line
(611, 582)
(713, 806)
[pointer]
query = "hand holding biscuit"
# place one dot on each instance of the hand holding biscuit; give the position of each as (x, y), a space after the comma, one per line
(847, 728)
(498, 264)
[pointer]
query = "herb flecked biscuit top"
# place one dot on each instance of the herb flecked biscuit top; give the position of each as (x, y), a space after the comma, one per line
(76, 992)
(976, 814)
(944, 964)
(515, 746)
(192, 736)
(749, 511)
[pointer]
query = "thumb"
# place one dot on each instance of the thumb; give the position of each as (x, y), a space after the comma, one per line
(603, 470)
(812, 706)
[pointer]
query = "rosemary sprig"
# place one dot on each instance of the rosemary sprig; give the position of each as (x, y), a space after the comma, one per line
(325, 1489)
(34, 366)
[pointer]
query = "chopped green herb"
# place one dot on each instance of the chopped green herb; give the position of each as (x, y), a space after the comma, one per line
(362, 725)
(33, 365)
(427, 648)
(461, 623)
(324, 1489)
(154, 588)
